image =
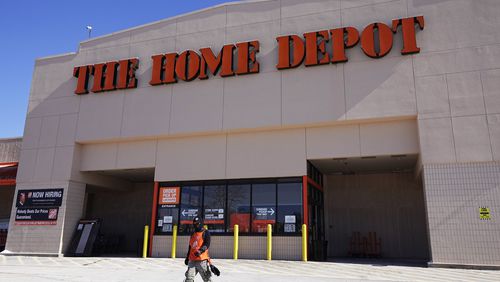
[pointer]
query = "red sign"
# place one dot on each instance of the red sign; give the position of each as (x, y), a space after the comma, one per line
(169, 196)
(311, 49)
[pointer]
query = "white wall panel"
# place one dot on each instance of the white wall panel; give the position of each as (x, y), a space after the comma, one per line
(55, 106)
(32, 129)
(456, 24)
(324, 20)
(208, 19)
(266, 154)
(432, 96)
(466, 94)
(147, 111)
(252, 101)
(340, 141)
(197, 106)
(253, 12)
(472, 140)
(53, 77)
(63, 163)
(98, 156)
(44, 164)
(457, 60)
(193, 158)
(436, 140)
(491, 90)
(100, 116)
(494, 130)
(389, 138)
(162, 29)
(380, 88)
(139, 154)
(48, 133)
(67, 130)
(293, 8)
(27, 162)
(314, 94)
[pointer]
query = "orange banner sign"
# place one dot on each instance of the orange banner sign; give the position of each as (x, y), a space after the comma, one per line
(169, 195)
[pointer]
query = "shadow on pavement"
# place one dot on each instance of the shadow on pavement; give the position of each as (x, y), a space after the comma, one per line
(380, 262)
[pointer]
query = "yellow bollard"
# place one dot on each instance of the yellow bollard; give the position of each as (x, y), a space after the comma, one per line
(235, 248)
(145, 244)
(304, 242)
(174, 240)
(269, 241)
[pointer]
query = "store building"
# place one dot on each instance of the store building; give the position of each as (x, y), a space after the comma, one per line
(369, 121)
(9, 160)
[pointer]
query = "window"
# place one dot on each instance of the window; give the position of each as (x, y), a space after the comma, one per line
(214, 208)
(289, 207)
(314, 174)
(263, 206)
(168, 208)
(238, 204)
(167, 217)
(252, 204)
(191, 200)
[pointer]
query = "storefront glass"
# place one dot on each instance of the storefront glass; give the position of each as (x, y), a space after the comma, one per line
(252, 204)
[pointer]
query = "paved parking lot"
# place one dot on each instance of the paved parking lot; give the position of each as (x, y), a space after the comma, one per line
(16, 268)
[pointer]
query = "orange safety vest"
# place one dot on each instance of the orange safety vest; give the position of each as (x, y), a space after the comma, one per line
(195, 243)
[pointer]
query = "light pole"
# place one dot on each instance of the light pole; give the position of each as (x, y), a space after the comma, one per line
(89, 28)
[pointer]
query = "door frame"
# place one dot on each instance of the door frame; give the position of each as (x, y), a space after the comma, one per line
(307, 183)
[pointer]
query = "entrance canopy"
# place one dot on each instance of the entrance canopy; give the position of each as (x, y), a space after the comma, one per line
(368, 164)
(8, 173)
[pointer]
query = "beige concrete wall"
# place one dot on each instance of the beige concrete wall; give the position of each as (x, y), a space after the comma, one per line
(391, 204)
(48, 239)
(454, 194)
(456, 82)
(270, 99)
(73, 213)
(123, 212)
(255, 154)
(250, 247)
(365, 139)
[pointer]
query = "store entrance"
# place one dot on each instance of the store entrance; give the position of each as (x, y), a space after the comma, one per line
(123, 212)
(313, 185)
(374, 208)
(317, 244)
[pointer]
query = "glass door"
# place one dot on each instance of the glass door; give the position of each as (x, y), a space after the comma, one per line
(316, 238)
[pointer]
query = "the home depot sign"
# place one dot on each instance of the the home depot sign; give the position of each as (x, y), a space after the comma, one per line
(313, 48)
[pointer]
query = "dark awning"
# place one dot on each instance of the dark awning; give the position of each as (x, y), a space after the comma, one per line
(8, 173)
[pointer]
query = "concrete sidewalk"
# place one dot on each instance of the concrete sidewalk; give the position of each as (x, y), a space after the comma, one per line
(15, 268)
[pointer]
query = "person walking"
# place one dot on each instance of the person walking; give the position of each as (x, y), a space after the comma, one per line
(197, 257)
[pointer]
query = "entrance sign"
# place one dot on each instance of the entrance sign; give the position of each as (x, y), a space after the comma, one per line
(264, 213)
(214, 216)
(169, 196)
(313, 48)
(189, 212)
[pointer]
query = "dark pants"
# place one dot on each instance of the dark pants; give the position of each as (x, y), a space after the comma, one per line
(198, 266)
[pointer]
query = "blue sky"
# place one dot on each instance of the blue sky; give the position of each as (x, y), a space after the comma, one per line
(36, 28)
